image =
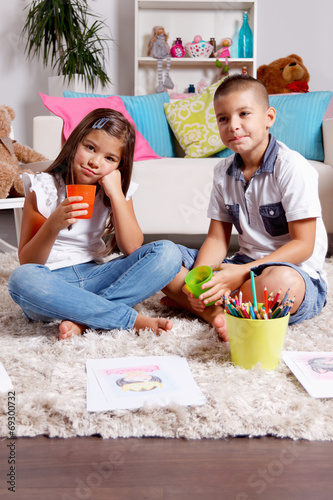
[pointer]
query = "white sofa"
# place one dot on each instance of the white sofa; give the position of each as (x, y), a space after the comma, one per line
(173, 195)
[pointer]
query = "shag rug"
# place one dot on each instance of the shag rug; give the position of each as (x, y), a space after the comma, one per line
(50, 379)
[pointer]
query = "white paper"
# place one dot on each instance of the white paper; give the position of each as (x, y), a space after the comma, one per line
(130, 383)
(5, 382)
(314, 370)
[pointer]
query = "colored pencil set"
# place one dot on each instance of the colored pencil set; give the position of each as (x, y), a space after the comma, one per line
(272, 308)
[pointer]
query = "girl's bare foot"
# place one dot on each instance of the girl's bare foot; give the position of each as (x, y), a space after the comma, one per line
(157, 325)
(68, 328)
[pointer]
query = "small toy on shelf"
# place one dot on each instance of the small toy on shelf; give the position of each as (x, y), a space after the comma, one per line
(284, 75)
(199, 48)
(159, 49)
(202, 85)
(177, 50)
(223, 52)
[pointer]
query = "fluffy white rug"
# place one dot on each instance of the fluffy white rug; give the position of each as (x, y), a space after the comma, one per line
(50, 379)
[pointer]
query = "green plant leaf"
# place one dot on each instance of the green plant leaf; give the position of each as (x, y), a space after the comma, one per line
(67, 35)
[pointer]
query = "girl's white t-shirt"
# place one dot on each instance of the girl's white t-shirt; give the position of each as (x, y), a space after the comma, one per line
(81, 243)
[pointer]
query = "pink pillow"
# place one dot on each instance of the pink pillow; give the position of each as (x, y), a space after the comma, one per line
(72, 111)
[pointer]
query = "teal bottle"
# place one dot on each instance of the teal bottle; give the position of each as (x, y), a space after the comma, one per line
(235, 37)
(245, 40)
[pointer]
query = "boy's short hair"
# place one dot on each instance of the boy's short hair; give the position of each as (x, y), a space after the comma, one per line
(238, 83)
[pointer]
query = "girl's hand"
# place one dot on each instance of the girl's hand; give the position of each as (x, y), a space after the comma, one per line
(65, 214)
(111, 183)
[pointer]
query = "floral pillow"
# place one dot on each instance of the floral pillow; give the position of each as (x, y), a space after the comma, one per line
(194, 124)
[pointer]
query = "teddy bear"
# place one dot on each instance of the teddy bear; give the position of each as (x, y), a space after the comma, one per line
(11, 153)
(284, 75)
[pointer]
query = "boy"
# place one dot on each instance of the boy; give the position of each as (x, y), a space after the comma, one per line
(270, 194)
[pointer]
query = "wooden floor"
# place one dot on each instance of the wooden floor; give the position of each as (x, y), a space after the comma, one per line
(168, 469)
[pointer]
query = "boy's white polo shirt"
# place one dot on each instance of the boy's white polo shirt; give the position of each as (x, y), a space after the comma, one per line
(283, 189)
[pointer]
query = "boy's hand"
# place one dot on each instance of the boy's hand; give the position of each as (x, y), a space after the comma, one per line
(229, 278)
(195, 303)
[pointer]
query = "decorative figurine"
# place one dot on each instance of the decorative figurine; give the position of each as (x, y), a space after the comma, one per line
(223, 52)
(159, 49)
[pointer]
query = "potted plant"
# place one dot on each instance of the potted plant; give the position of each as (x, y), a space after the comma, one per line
(67, 35)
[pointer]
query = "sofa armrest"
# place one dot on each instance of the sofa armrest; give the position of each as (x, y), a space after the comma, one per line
(47, 133)
(328, 141)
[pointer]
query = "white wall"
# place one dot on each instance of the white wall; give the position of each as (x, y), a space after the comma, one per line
(303, 27)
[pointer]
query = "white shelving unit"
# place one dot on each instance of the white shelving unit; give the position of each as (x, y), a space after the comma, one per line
(185, 19)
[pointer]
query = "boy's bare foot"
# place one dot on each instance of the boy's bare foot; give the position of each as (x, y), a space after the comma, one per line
(214, 318)
(166, 301)
(68, 328)
(220, 326)
(157, 325)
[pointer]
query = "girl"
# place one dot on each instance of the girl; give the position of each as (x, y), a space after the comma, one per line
(62, 275)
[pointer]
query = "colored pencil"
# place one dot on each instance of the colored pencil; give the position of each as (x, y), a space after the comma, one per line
(265, 299)
(276, 299)
(254, 293)
(271, 309)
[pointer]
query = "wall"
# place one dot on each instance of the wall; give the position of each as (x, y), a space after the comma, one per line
(284, 27)
(301, 27)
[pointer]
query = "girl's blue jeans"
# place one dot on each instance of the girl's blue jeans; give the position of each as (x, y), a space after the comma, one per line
(100, 296)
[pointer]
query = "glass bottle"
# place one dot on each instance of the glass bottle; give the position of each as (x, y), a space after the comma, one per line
(177, 50)
(234, 46)
(245, 40)
(212, 41)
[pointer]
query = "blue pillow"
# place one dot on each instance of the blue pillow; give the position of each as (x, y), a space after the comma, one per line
(299, 120)
(148, 115)
(224, 153)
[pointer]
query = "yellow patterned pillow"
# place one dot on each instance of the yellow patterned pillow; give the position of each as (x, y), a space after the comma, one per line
(194, 124)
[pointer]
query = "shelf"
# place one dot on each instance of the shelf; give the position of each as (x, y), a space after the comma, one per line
(186, 19)
(191, 61)
(194, 4)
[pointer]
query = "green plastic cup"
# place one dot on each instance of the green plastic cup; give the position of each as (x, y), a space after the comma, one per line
(197, 277)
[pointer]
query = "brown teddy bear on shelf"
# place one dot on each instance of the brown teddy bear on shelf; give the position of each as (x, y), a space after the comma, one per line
(284, 75)
(11, 153)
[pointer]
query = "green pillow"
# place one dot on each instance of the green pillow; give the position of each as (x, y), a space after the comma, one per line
(194, 124)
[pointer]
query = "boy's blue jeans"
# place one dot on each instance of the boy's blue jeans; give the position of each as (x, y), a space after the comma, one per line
(99, 296)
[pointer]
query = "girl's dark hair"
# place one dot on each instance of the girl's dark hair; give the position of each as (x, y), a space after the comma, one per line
(117, 126)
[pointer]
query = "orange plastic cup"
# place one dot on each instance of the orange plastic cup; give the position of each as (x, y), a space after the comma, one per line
(87, 192)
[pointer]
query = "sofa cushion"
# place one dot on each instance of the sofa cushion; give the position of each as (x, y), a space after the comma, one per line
(299, 119)
(148, 115)
(72, 111)
(193, 122)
